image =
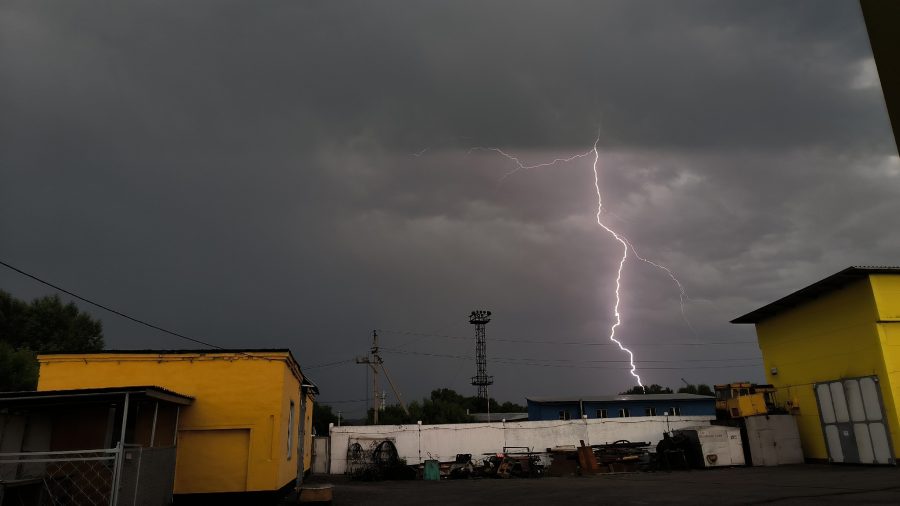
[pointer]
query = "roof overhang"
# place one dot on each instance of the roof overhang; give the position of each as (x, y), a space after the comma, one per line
(813, 291)
(91, 395)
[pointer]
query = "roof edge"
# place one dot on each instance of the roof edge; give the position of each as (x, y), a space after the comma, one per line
(809, 292)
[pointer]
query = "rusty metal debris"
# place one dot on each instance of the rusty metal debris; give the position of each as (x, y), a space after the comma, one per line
(380, 461)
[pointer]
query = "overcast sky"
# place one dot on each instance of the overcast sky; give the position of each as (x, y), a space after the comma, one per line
(297, 174)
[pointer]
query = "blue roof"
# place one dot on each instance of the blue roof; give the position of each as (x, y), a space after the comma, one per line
(612, 398)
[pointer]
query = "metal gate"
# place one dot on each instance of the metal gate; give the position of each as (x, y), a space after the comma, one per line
(86, 477)
(853, 421)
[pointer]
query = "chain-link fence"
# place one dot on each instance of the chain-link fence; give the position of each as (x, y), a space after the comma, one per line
(83, 477)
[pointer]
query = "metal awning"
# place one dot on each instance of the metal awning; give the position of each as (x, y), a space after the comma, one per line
(90, 395)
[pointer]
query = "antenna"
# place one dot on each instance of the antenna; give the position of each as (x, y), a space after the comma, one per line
(480, 318)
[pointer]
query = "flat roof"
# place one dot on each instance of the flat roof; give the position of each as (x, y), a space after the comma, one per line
(304, 379)
(831, 283)
(82, 395)
(496, 417)
(179, 351)
(626, 398)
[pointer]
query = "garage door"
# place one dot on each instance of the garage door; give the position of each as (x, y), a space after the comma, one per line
(853, 421)
(211, 461)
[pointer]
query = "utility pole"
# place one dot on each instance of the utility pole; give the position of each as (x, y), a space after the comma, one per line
(374, 360)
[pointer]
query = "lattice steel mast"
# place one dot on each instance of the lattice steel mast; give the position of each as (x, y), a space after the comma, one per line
(480, 318)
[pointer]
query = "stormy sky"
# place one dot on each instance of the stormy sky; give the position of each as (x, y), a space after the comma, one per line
(297, 174)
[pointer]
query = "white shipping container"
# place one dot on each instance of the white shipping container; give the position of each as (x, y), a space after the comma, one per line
(719, 446)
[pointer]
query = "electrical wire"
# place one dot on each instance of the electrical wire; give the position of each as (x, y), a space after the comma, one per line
(111, 310)
(340, 402)
(329, 364)
(568, 363)
(568, 343)
(469, 357)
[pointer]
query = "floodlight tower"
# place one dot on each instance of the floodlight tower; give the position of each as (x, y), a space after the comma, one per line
(480, 318)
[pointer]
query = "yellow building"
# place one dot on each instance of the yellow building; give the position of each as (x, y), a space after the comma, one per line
(242, 432)
(832, 351)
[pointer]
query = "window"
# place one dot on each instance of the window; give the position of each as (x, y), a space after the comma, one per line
(601, 413)
(290, 438)
(623, 413)
(650, 411)
(675, 411)
(563, 415)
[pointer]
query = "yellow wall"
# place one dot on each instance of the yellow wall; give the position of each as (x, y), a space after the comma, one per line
(233, 437)
(887, 299)
(830, 337)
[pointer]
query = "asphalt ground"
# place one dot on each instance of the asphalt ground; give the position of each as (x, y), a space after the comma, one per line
(799, 484)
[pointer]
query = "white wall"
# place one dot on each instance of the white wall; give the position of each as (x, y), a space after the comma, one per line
(417, 443)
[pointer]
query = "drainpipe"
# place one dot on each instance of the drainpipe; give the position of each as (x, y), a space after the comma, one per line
(581, 408)
(301, 440)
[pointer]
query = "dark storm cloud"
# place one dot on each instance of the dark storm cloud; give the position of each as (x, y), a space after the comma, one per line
(245, 175)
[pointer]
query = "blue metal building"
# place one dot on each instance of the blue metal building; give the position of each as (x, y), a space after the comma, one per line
(619, 406)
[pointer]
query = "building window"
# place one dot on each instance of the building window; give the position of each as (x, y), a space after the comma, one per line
(675, 411)
(623, 413)
(650, 411)
(601, 413)
(563, 415)
(290, 438)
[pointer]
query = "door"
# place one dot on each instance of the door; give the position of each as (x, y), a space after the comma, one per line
(853, 421)
(213, 460)
(320, 455)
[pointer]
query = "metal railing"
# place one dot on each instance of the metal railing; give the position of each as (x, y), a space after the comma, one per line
(81, 477)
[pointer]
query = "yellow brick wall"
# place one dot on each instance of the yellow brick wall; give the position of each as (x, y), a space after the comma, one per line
(235, 433)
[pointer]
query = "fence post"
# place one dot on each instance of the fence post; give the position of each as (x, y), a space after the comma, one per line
(120, 456)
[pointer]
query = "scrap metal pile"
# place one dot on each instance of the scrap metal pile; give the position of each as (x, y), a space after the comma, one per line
(380, 461)
(618, 457)
(512, 462)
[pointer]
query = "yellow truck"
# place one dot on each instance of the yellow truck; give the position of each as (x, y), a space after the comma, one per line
(739, 400)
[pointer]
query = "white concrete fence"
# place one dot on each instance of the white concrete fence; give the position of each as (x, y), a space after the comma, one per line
(417, 443)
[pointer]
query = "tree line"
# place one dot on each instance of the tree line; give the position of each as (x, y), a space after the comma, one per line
(44, 325)
(701, 389)
(444, 405)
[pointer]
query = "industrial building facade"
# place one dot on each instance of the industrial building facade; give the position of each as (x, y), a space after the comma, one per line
(243, 431)
(620, 406)
(832, 350)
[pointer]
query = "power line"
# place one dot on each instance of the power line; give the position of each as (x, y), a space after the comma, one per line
(330, 364)
(340, 402)
(569, 343)
(111, 310)
(730, 359)
(568, 363)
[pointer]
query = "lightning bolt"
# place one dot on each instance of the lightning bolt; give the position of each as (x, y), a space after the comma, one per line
(626, 245)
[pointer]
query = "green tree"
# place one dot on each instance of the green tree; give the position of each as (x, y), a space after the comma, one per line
(444, 405)
(45, 325)
(649, 389)
(322, 416)
(18, 369)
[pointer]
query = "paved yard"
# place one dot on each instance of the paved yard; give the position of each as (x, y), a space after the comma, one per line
(803, 484)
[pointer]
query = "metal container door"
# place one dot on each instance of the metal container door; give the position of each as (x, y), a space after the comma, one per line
(852, 416)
